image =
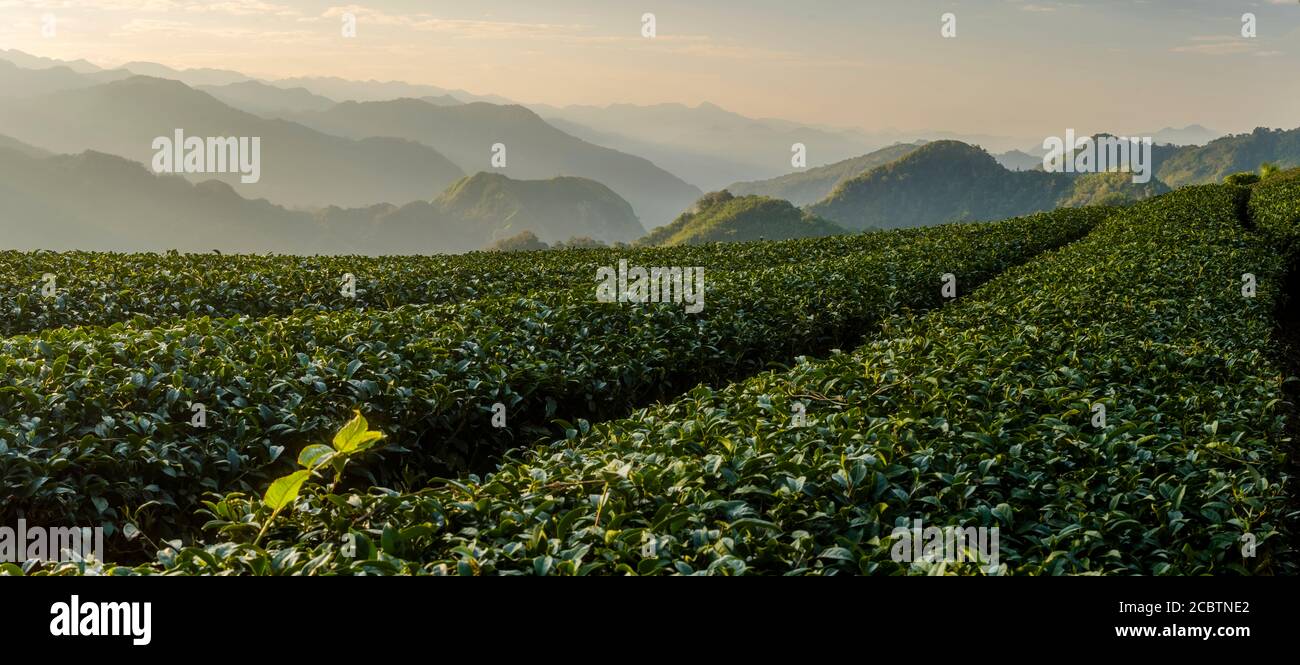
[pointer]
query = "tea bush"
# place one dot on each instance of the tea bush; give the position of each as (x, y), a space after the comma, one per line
(95, 422)
(981, 414)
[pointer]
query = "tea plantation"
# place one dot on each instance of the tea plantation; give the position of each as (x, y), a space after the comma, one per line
(1108, 389)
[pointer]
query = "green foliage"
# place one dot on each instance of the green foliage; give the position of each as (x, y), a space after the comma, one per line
(814, 184)
(950, 180)
(1114, 188)
(353, 439)
(144, 290)
(1275, 207)
(524, 241)
(94, 424)
(978, 414)
(721, 217)
(579, 242)
(1242, 179)
(1230, 154)
(552, 209)
(284, 491)
(975, 415)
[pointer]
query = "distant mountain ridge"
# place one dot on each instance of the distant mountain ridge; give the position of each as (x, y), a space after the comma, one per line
(265, 99)
(17, 81)
(1189, 135)
(401, 148)
(10, 143)
(1017, 160)
(191, 77)
(379, 91)
(706, 144)
(466, 133)
(28, 61)
(95, 201)
(300, 166)
(366, 160)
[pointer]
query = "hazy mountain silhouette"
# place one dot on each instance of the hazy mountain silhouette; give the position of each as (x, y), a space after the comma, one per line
(9, 143)
(722, 217)
(300, 166)
(1189, 135)
(267, 100)
(703, 170)
(190, 77)
(365, 158)
(1018, 160)
(534, 149)
(441, 100)
(95, 201)
(706, 144)
(378, 91)
(810, 186)
(17, 81)
(29, 61)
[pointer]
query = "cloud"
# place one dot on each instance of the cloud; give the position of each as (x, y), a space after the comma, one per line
(154, 6)
(228, 7)
(1217, 45)
(1043, 5)
(242, 8)
(147, 25)
(467, 28)
(188, 29)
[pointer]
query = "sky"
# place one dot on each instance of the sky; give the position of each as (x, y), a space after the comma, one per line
(1014, 68)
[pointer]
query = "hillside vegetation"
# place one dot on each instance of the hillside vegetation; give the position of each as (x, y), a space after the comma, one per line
(1230, 154)
(466, 133)
(812, 185)
(721, 217)
(120, 434)
(554, 209)
(949, 180)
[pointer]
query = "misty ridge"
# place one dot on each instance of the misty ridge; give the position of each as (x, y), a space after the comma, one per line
(150, 158)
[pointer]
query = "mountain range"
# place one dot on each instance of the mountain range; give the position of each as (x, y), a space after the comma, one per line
(265, 99)
(400, 150)
(392, 167)
(299, 166)
(467, 134)
(96, 201)
(948, 180)
(705, 144)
